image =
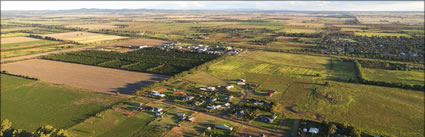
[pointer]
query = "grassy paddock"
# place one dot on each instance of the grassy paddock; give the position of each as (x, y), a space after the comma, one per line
(30, 104)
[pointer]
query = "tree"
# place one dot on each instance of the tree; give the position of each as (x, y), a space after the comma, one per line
(332, 129)
(354, 132)
(5, 125)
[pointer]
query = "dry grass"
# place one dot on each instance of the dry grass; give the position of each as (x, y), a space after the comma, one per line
(17, 40)
(137, 42)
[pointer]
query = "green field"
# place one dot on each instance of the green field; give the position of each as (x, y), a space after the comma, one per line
(29, 104)
(25, 43)
(8, 35)
(394, 76)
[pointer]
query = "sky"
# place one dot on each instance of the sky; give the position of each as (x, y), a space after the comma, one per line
(220, 5)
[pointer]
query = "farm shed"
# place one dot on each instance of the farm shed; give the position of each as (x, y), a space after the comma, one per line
(313, 130)
(224, 126)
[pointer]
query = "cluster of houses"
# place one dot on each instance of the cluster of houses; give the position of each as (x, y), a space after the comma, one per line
(139, 106)
(200, 48)
(215, 88)
(183, 116)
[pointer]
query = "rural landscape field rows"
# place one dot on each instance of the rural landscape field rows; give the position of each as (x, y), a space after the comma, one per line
(211, 73)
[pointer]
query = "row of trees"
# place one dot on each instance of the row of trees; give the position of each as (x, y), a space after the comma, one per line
(16, 75)
(43, 131)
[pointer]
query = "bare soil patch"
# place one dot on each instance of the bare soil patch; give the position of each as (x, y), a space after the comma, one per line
(83, 76)
(17, 40)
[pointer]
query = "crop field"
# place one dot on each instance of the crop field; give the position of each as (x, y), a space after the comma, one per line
(370, 34)
(408, 77)
(82, 76)
(138, 42)
(9, 35)
(93, 26)
(151, 60)
(16, 40)
(84, 37)
(300, 31)
(25, 102)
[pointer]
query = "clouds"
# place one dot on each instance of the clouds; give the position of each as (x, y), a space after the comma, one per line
(219, 5)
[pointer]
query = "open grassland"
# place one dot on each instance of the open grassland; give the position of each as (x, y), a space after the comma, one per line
(84, 37)
(6, 41)
(6, 30)
(394, 76)
(373, 109)
(31, 104)
(370, 34)
(82, 76)
(271, 63)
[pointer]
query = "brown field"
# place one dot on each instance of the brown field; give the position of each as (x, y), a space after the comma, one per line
(16, 40)
(83, 76)
(93, 26)
(137, 42)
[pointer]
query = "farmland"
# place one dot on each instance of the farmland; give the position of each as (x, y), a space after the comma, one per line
(83, 37)
(100, 72)
(145, 60)
(94, 78)
(31, 99)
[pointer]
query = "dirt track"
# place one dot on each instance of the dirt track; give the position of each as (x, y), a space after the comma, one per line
(83, 76)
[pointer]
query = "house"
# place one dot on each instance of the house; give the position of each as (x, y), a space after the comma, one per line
(214, 107)
(313, 130)
(157, 109)
(211, 88)
(226, 104)
(181, 114)
(224, 126)
(242, 80)
(229, 87)
(228, 98)
(142, 47)
(137, 104)
(271, 92)
(240, 83)
(161, 90)
(212, 100)
(187, 98)
(203, 89)
(305, 129)
(158, 113)
(158, 95)
(191, 119)
(240, 113)
(268, 119)
(258, 103)
(178, 93)
(198, 103)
